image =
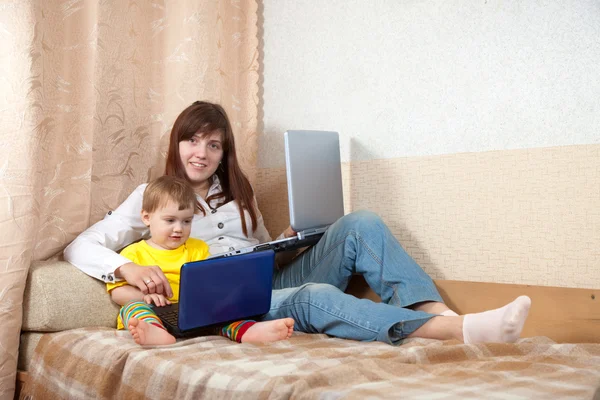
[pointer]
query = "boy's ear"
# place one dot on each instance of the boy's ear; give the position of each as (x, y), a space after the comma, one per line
(146, 217)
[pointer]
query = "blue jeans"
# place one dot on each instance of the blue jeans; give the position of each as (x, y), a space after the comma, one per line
(311, 288)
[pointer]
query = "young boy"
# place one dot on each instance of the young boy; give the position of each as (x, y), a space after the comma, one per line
(168, 208)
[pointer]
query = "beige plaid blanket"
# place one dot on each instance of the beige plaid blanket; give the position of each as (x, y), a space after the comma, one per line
(106, 364)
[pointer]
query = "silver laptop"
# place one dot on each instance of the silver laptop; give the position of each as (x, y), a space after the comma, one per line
(314, 183)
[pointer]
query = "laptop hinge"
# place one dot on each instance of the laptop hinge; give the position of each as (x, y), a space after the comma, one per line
(310, 232)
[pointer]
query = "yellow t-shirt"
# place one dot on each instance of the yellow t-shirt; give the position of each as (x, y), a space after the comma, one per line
(169, 261)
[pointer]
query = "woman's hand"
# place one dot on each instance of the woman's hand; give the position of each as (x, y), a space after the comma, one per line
(156, 299)
(149, 279)
(289, 232)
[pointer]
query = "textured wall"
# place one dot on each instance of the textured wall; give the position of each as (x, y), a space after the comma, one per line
(473, 128)
(521, 216)
(406, 78)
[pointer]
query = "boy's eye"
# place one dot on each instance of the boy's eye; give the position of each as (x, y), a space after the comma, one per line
(192, 140)
(170, 220)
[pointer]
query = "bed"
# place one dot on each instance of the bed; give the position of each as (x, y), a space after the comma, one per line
(558, 356)
(103, 363)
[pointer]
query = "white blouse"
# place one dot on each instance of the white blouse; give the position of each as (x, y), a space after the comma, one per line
(94, 250)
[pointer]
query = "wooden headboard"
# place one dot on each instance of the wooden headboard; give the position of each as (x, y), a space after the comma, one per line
(565, 315)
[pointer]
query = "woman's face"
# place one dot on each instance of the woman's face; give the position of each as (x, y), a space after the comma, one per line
(200, 156)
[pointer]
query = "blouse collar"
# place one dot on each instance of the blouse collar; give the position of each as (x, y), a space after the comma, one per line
(215, 187)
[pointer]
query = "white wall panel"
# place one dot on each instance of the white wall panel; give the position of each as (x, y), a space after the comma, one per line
(408, 78)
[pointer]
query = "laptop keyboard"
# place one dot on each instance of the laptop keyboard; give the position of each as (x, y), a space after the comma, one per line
(168, 314)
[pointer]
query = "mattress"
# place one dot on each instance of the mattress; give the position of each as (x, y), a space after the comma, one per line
(106, 364)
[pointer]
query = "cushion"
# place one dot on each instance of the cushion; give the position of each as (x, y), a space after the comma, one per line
(27, 344)
(59, 297)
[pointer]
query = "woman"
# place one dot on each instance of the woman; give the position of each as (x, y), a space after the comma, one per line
(309, 289)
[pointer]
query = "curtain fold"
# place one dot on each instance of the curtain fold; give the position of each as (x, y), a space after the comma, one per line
(90, 90)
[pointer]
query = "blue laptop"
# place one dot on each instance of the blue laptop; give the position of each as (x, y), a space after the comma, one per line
(214, 292)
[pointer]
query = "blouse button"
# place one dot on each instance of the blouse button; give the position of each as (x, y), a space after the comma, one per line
(221, 237)
(221, 225)
(213, 210)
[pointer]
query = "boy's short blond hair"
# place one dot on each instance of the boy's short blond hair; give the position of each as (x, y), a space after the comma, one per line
(160, 191)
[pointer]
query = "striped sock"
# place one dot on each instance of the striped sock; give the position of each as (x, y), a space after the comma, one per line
(235, 331)
(141, 311)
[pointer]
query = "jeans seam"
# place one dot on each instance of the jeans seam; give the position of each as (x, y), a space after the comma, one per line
(328, 312)
(371, 253)
(380, 262)
(325, 255)
(351, 232)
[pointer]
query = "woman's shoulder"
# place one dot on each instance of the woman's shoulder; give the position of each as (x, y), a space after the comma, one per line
(133, 203)
(139, 190)
(137, 194)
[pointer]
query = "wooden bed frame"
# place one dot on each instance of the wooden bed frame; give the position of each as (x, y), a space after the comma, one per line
(565, 315)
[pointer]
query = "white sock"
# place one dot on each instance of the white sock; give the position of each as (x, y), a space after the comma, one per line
(449, 313)
(502, 325)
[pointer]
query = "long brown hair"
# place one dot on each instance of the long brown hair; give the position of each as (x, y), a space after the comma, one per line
(204, 118)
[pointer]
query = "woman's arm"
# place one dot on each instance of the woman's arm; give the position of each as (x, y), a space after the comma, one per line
(94, 250)
(261, 232)
(281, 258)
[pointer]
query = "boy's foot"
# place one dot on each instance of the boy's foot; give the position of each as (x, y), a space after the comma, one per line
(145, 333)
(269, 331)
(502, 325)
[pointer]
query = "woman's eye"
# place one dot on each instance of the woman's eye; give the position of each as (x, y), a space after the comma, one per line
(215, 146)
(192, 140)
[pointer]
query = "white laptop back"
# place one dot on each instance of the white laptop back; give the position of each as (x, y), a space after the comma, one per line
(314, 179)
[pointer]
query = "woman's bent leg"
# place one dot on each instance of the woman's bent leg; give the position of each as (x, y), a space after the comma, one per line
(361, 243)
(322, 308)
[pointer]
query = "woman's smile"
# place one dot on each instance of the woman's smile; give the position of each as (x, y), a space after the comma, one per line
(201, 155)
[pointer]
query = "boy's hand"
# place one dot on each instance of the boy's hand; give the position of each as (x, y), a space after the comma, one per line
(156, 299)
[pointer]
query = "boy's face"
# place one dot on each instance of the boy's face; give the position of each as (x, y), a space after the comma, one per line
(169, 226)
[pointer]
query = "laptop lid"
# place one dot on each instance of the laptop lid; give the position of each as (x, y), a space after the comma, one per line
(314, 178)
(225, 289)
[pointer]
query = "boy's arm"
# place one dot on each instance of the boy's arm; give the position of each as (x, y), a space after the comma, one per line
(125, 294)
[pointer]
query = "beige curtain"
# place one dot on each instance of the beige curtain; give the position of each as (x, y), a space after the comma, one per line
(89, 91)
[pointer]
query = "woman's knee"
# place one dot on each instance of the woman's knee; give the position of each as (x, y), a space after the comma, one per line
(361, 220)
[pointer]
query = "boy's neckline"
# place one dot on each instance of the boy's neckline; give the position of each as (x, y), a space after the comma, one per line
(180, 248)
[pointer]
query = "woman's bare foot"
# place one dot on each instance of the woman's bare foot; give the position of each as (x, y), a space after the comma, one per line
(145, 333)
(269, 331)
